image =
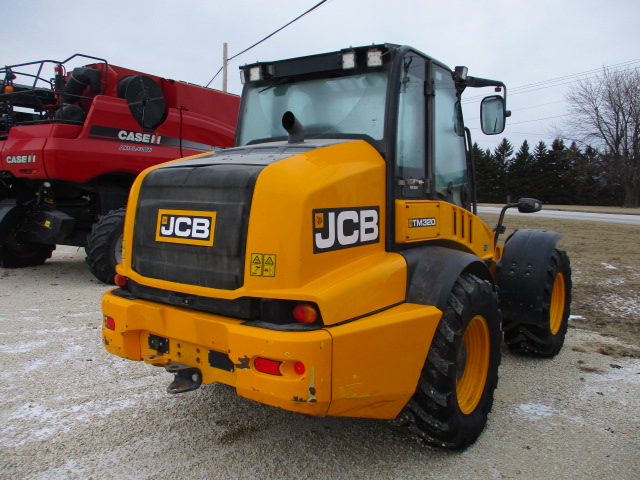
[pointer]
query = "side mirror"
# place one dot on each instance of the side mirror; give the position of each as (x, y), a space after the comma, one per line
(529, 205)
(493, 115)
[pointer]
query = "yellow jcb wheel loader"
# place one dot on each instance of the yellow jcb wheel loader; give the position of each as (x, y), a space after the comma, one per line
(332, 262)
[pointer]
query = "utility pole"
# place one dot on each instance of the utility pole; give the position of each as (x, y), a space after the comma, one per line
(224, 67)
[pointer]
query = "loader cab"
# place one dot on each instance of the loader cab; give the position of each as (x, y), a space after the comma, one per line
(403, 102)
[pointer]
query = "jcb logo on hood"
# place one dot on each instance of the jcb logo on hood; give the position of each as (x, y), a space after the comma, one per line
(186, 226)
(338, 228)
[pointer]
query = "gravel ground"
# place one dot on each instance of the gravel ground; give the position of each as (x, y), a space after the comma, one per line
(71, 411)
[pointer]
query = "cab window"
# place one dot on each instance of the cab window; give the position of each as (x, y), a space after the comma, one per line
(411, 129)
(450, 161)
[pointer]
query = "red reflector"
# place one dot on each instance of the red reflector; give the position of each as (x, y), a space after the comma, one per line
(264, 365)
(109, 323)
(305, 313)
(121, 280)
(299, 368)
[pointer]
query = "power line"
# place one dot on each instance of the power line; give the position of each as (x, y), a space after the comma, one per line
(519, 133)
(555, 82)
(317, 5)
(539, 119)
(550, 83)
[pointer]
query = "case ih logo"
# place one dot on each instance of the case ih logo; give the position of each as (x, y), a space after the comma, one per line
(138, 137)
(338, 228)
(186, 226)
(31, 158)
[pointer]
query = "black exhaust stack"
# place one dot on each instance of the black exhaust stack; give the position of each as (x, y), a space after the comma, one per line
(293, 127)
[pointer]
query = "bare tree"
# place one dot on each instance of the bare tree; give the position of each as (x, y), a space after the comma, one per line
(605, 113)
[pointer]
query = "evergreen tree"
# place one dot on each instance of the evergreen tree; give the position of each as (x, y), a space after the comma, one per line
(486, 173)
(501, 158)
(519, 174)
(537, 182)
(557, 173)
(540, 150)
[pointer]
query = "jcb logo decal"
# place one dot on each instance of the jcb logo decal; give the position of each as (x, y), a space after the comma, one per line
(338, 228)
(186, 226)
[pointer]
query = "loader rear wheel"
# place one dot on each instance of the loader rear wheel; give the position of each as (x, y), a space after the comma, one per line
(17, 252)
(455, 392)
(541, 332)
(104, 245)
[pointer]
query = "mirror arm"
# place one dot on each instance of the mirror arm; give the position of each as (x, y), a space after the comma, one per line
(476, 82)
(525, 205)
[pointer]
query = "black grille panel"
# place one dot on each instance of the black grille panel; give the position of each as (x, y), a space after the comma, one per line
(224, 189)
(245, 308)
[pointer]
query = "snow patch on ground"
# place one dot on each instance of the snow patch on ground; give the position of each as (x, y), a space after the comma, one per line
(608, 266)
(22, 347)
(623, 306)
(84, 314)
(537, 410)
(45, 421)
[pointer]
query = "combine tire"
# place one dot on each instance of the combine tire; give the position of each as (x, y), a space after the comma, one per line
(104, 245)
(455, 392)
(17, 252)
(541, 332)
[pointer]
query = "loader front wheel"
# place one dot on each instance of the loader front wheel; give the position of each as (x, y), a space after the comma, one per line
(541, 331)
(455, 391)
(104, 245)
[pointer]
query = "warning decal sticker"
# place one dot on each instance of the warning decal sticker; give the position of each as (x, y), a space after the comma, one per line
(263, 265)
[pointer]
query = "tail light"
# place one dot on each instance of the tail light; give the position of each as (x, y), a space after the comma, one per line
(299, 368)
(305, 313)
(264, 365)
(272, 367)
(121, 280)
(109, 323)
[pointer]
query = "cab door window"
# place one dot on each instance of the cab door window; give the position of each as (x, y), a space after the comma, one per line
(411, 145)
(450, 160)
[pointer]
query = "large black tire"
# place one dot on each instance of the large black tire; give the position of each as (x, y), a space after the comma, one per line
(17, 252)
(541, 332)
(104, 245)
(455, 392)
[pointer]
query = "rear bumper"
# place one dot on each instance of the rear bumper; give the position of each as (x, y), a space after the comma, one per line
(365, 368)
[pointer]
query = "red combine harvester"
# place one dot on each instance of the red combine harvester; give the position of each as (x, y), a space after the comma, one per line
(71, 146)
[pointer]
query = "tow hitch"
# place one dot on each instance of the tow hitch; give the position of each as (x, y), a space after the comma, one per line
(186, 378)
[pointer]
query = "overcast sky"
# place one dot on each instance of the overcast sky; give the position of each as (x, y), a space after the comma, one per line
(520, 42)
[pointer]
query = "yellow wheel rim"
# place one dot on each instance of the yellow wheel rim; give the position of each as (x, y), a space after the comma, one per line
(556, 309)
(473, 364)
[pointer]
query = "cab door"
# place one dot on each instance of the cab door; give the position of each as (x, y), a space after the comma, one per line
(411, 134)
(430, 161)
(449, 164)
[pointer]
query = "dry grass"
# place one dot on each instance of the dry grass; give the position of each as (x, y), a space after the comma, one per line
(605, 260)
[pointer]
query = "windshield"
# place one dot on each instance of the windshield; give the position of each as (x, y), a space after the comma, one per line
(351, 105)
